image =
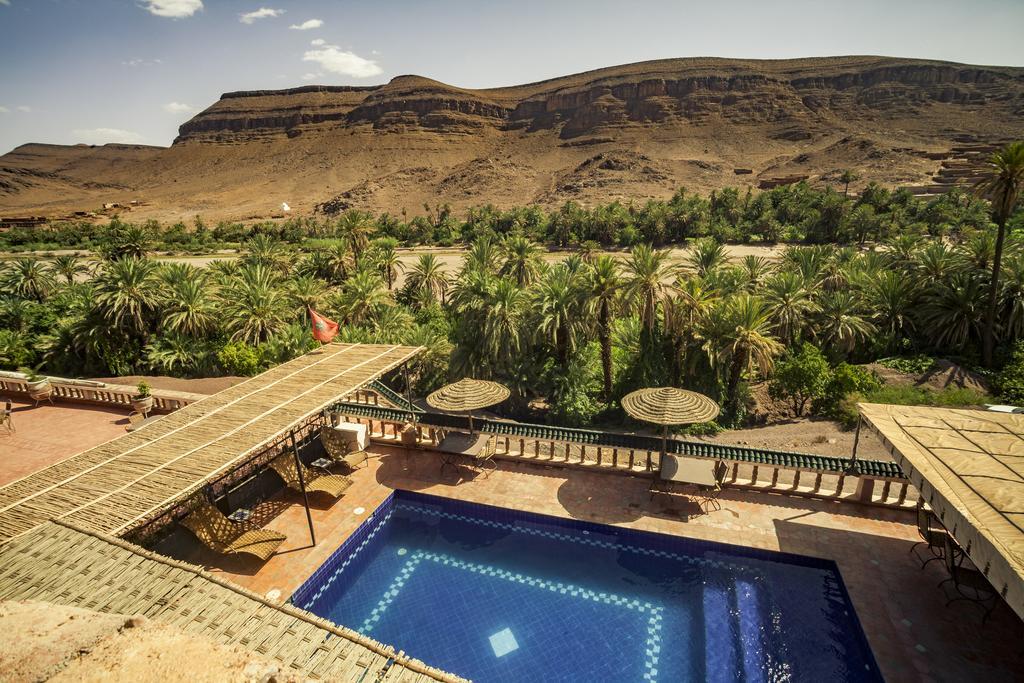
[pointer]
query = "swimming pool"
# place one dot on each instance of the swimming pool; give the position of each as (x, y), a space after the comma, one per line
(501, 595)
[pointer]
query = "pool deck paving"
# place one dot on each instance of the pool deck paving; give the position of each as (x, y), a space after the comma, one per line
(50, 433)
(913, 634)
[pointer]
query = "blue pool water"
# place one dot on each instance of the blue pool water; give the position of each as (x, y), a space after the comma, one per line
(501, 595)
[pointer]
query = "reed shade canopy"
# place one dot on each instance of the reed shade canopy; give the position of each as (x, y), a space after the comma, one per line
(467, 395)
(669, 406)
(121, 485)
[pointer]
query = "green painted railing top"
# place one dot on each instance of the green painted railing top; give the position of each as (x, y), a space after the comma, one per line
(587, 437)
(392, 395)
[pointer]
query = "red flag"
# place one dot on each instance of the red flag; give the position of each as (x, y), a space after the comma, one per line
(323, 329)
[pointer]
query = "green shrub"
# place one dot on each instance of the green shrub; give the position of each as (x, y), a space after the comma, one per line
(911, 365)
(846, 379)
(952, 397)
(1009, 383)
(238, 358)
(702, 429)
(801, 378)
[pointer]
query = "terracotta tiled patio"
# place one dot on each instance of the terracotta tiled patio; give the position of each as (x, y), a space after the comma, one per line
(914, 636)
(49, 433)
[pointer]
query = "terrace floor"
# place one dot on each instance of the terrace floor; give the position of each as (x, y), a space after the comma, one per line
(914, 636)
(49, 433)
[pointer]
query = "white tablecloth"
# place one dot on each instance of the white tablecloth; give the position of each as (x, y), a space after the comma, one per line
(355, 434)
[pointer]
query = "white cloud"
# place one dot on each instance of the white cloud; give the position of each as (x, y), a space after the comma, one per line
(317, 41)
(179, 108)
(174, 9)
(334, 59)
(307, 25)
(25, 109)
(101, 136)
(5, 2)
(310, 76)
(141, 62)
(261, 13)
(4, 110)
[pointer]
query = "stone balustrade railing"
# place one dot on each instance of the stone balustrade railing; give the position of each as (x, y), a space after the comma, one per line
(841, 479)
(119, 395)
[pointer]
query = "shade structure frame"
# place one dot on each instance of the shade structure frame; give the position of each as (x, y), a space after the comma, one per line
(968, 465)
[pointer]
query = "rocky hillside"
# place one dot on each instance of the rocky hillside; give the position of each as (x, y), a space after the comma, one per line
(631, 132)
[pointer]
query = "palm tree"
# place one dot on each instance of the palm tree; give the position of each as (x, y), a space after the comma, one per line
(749, 343)
(848, 176)
(387, 260)
(1013, 296)
(706, 256)
(362, 295)
(190, 309)
(755, 270)
(357, 227)
(1003, 188)
(503, 321)
(790, 303)
(268, 252)
(840, 323)
(603, 292)
(172, 354)
(685, 318)
(558, 302)
(954, 312)
(255, 307)
(28, 278)
(307, 292)
(893, 297)
(522, 259)
(128, 294)
(648, 282)
(428, 279)
(69, 267)
(482, 257)
(935, 262)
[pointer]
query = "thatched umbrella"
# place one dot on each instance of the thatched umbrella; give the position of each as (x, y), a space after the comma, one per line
(468, 395)
(669, 406)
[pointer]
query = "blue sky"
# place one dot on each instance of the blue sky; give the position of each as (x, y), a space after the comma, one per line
(99, 71)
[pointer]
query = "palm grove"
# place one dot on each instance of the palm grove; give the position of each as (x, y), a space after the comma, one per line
(574, 335)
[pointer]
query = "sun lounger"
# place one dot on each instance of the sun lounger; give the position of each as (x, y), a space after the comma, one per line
(341, 449)
(332, 484)
(221, 535)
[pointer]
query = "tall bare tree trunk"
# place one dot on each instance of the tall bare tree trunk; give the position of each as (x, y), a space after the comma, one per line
(989, 341)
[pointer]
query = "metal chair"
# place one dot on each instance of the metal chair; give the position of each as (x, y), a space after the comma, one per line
(963, 574)
(934, 539)
(7, 415)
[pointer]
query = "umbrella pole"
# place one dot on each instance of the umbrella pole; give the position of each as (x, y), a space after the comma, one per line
(471, 423)
(302, 485)
(664, 446)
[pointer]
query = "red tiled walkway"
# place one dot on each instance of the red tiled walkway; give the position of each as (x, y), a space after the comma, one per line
(51, 433)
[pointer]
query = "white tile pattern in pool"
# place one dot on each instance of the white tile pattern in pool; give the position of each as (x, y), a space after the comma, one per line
(654, 612)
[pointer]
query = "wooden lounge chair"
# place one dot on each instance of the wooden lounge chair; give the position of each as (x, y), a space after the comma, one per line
(221, 535)
(338, 449)
(332, 484)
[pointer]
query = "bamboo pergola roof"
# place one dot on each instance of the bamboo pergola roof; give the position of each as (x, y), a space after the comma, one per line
(59, 563)
(121, 484)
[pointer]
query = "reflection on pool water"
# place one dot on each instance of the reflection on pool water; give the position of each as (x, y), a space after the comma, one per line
(500, 595)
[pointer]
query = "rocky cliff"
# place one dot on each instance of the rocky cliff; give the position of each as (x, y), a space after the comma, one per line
(630, 132)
